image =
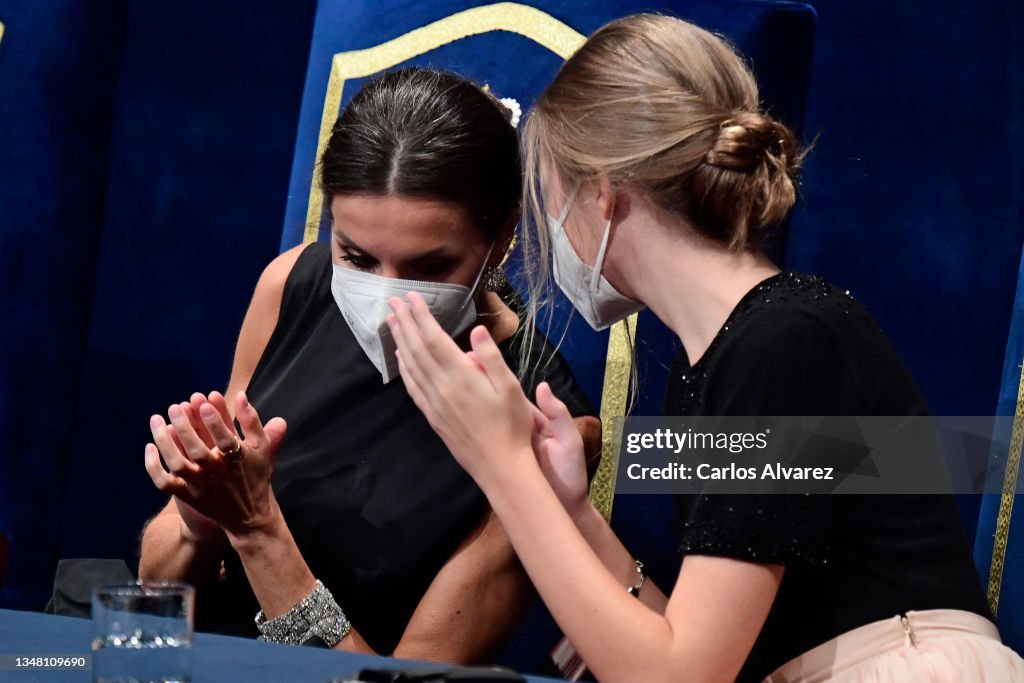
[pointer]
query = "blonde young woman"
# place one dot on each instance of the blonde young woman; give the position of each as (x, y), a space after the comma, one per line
(650, 147)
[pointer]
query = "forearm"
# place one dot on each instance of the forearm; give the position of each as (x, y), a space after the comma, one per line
(473, 605)
(170, 553)
(277, 572)
(280, 577)
(619, 638)
(613, 554)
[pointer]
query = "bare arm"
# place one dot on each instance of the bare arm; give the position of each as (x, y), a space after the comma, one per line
(620, 638)
(181, 547)
(171, 551)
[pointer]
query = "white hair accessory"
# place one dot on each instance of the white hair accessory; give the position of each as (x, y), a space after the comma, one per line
(513, 106)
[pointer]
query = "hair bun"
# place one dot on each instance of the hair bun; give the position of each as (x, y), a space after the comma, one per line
(745, 139)
(748, 179)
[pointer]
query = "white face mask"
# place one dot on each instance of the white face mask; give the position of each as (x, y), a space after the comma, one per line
(363, 300)
(594, 297)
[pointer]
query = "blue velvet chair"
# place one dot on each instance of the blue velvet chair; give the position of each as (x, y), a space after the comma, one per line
(146, 151)
(999, 543)
(516, 49)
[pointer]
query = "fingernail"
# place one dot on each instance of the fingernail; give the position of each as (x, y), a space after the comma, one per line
(154, 422)
(174, 411)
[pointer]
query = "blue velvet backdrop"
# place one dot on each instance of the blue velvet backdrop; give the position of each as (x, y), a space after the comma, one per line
(144, 159)
(143, 170)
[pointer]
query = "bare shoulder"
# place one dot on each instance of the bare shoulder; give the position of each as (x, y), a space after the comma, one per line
(261, 319)
(276, 273)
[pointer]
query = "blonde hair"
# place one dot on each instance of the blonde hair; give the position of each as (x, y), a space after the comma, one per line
(663, 107)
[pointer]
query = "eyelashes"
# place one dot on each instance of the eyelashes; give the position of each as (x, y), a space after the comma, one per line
(428, 270)
(360, 261)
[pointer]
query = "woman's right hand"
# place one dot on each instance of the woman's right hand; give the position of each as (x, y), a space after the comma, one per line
(196, 526)
(234, 495)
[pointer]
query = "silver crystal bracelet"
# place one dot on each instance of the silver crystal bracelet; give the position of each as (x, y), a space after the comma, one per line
(317, 617)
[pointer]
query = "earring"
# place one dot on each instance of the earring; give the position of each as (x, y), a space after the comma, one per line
(496, 279)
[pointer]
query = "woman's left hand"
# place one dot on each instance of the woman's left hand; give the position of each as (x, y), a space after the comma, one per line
(471, 399)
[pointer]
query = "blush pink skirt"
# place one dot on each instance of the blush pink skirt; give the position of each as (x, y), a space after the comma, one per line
(933, 646)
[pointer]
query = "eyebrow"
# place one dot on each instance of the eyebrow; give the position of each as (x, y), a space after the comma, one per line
(442, 250)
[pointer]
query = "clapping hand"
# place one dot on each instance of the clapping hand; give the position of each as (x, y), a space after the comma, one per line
(216, 477)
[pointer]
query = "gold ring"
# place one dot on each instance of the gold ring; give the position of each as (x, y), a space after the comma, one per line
(233, 454)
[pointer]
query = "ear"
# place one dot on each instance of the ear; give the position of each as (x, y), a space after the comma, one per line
(614, 202)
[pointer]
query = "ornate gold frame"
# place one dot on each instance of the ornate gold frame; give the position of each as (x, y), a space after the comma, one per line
(1006, 498)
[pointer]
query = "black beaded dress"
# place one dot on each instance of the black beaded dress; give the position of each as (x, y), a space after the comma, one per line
(795, 345)
(375, 501)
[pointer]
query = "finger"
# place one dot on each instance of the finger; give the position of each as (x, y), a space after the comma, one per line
(411, 340)
(476, 360)
(559, 418)
(177, 461)
(223, 438)
(197, 451)
(195, 401)
(275, 429)
(249, 421)
(489, 355)
(174, 437)
(418, 361)
(540, 420)
(163, 480)
(440, 344)
(540, 429)
(220, 402)
(415, 391)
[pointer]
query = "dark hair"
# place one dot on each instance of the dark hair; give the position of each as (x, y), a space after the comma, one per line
(427, 133)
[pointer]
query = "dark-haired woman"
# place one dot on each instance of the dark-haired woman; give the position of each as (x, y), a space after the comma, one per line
(650, 147)
(357, 530)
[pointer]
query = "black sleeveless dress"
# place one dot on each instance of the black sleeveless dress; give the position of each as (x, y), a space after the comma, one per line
(375, 501)
(795, 345)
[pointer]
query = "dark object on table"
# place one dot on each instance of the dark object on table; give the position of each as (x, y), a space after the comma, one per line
(436, 675)
(75, 579)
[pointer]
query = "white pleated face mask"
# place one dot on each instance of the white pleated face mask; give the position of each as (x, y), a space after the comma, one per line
(600, 304)
(363, 301)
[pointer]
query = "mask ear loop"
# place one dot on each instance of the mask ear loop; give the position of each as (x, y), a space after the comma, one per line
(471, 295)
(595, 275)
(568, 205)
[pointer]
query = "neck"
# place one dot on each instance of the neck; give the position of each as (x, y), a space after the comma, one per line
(691, 284)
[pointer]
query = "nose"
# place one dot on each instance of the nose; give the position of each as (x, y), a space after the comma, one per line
(391, 271)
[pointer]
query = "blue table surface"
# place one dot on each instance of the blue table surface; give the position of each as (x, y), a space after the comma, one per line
(220, 659)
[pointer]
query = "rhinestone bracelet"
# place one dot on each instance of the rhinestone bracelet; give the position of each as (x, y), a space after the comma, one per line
(316, 616)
